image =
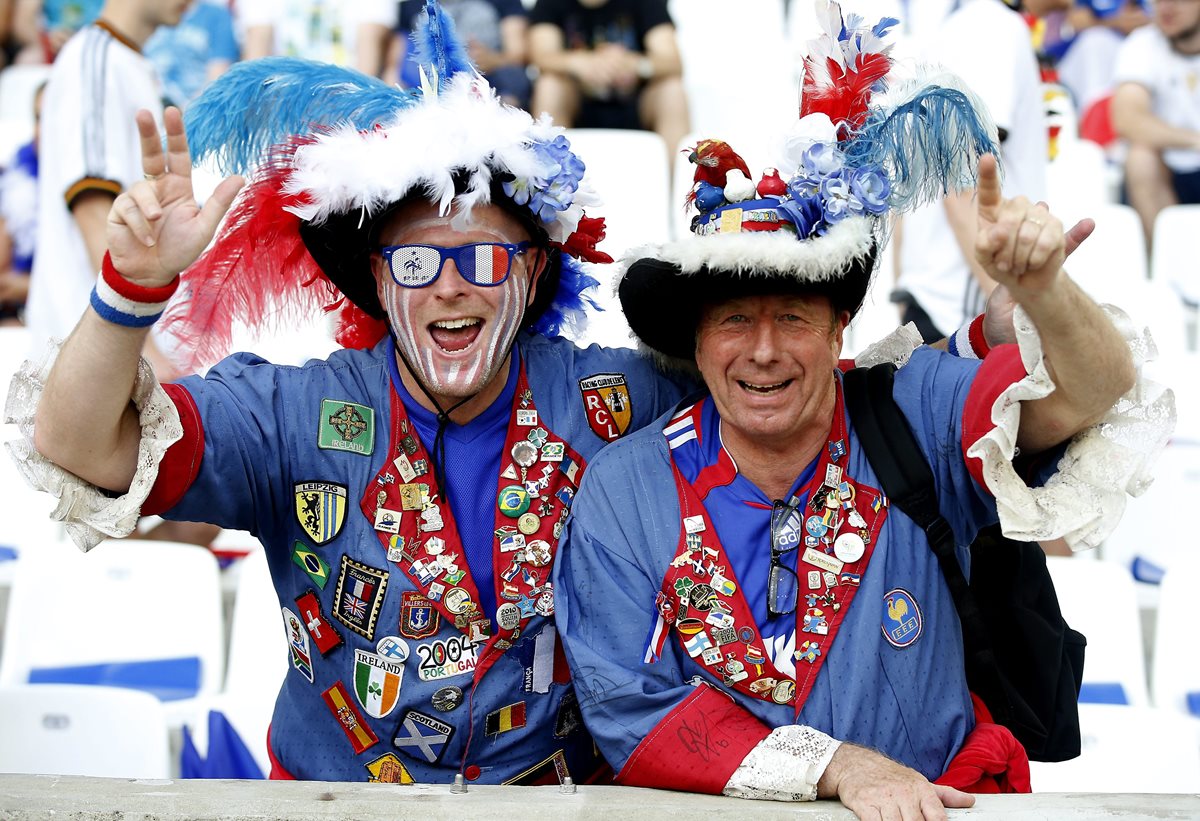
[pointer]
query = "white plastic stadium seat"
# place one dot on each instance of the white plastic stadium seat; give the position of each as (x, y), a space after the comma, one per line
(1099, 600)
(139, 614)
(1113, 258)
(628, 169)
(258, 658)
(1173, 257)
(17, 87)
(1127, 750)
(69, 729)
(1176, 664)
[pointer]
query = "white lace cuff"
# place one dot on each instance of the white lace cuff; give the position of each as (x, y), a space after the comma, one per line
(896, 348)
(784, 766)
(89, 513)
(1084, 500)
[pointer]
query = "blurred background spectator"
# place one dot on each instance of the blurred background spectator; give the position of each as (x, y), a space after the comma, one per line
(18, 223)
(197, 51)
(495, 32)
(1156, 109)
(326, 30)
(940, 286)
(608, 64)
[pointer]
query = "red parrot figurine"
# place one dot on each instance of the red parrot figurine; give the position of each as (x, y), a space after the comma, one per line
(714, 159)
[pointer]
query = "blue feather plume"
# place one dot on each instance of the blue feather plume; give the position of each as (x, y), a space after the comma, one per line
(438, 44)
(262, 103)
(570, 302)
(929, 145)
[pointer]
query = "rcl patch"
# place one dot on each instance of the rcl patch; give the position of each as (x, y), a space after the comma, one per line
(606, 404)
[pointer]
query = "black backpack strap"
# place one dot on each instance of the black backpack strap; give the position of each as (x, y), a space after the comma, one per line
(907, 479)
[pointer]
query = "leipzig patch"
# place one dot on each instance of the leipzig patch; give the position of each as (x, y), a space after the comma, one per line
(346, 426)
(422, 736)
(607, 404)
(902, 621)
(419, 619)
(359, 596)
(320, 509)
(353, 724)
(324, 634)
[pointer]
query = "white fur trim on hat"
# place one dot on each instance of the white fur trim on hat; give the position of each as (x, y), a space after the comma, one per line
(464, 128)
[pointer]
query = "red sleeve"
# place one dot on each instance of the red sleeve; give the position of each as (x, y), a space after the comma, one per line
(1001, 368)
(181, 462)
(696, 747)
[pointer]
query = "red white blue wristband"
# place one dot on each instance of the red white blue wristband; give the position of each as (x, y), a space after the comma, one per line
(968, 342)
(121, 302)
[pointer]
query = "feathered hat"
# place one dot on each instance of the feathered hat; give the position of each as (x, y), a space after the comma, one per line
(862, 149)
(329, 152)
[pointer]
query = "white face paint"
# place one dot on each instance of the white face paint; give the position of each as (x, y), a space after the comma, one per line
(455, 335)
(457, 372)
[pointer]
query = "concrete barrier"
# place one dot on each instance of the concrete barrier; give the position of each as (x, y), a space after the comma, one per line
(84, 799)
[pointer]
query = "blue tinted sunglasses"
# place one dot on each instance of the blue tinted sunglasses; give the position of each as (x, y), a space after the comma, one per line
(480, 263)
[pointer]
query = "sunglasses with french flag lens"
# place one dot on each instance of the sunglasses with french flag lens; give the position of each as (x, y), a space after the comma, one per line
(479, 263)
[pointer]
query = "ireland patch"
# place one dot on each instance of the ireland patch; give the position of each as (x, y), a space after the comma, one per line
(346, 426)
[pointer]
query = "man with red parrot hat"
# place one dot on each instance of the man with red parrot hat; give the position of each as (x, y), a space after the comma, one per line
(798, 640)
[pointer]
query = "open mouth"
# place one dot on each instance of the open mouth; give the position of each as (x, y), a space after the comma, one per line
(764, 390)
(454, 335)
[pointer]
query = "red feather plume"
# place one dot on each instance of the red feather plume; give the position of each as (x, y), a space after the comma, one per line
(847, 97)
(257, 271)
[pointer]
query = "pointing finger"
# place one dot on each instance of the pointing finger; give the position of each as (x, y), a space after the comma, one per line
(989, 197)
(1078, 233)
(216, 205)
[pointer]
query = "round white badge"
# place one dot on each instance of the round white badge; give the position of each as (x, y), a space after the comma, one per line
(849, 547)
(457, 600)
(508, 616)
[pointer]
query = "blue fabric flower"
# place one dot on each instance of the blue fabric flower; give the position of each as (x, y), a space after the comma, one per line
(823, 159)
(869, 189)
(835, 198)
(804, 213)
(553, 190)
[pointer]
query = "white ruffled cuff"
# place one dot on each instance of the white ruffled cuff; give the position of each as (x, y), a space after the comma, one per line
(90, 514)
(784, 766)
(896, 348)
(1083, 501)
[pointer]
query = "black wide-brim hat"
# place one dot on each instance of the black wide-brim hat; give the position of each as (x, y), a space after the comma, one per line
(664, 288)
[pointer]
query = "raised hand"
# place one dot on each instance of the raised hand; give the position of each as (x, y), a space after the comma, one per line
(155, 229)
(1019, 244)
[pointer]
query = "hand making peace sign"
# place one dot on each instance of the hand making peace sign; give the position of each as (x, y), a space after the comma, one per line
(155, 229)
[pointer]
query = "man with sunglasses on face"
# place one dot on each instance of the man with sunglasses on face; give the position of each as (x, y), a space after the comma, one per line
(410, 491)
(796, 637)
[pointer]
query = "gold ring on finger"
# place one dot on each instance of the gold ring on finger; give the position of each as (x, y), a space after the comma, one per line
(154, 177)
(1035, 221)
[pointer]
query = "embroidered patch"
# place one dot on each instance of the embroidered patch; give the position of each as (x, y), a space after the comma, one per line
(505, 719)
(607, 404)
(320, 509)
(359, 596)
(392, 648)
(298, 643)
(422, 736)
(552, 770)
(346, 426)
(419, 619)
(377, 683)
(388, 769)
(902, 621)
(312, 564)
(455, 656)
(323, 633)
(357, 732)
